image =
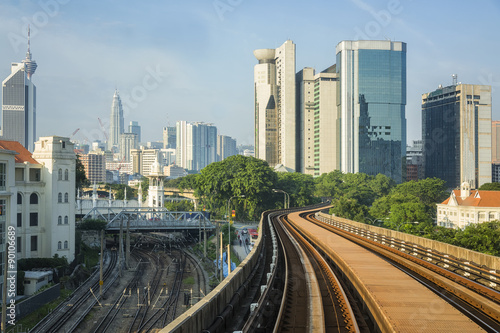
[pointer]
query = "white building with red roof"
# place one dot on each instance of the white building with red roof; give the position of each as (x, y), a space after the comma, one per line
(466, 206)
(37, 197)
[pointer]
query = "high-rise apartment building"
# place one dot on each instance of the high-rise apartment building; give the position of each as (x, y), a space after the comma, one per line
(371, 105)
(169, 137)
(318, 150)
(134, 127)
(456, 134)
(19, 103)
(94, 164)
(495, 141)
(226, 146)
(196, 145)
(275, 116)
(116, 125)
(128, 141)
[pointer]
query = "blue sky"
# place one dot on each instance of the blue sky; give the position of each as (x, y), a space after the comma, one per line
(193, 60)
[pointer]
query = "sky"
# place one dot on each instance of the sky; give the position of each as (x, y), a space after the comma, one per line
(193, 60)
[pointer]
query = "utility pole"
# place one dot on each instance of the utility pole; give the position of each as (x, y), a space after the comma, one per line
(127, 245)
(120, 248)
(217, 248)
(101, 282)
(221, 256)
(228, 259)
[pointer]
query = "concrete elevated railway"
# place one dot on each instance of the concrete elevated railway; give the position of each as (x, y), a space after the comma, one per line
(399, 294)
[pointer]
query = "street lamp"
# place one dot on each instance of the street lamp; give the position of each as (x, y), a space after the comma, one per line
(286, 195)
(406, 223)
(228, 217)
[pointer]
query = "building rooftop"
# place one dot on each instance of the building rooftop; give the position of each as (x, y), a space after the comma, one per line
(476, 198)
(23, 154)
(36, 274)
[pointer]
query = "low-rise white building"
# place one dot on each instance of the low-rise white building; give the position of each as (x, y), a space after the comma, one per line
(34, 280)
(466, 206)
(39, 196)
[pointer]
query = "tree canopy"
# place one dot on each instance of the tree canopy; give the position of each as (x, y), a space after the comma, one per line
(490, 187)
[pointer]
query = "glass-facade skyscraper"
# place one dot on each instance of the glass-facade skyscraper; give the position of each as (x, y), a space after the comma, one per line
(371, 104)
(456, 134)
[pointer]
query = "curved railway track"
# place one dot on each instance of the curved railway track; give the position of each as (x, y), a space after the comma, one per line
(477, 301)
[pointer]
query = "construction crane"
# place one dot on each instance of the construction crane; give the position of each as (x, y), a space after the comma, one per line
(72, 135)
(103, 129)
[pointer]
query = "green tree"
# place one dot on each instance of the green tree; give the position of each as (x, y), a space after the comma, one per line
(483, 237)
(92, 224)
(81, 178)
(235, 176)
(300, 188)
(349, 208)
(179, 206)
(490, 187)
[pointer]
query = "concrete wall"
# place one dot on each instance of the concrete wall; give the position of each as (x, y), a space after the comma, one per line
(33, 303)
(459, 252)
(202, 314)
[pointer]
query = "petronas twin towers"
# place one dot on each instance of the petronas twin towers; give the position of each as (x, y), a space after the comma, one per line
(116, 126)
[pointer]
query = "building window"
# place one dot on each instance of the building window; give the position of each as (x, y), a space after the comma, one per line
(19, 199)
(3, 171)
(59, 197)
(59, 245)
(19, 220)
(65, 244)
(34, 199)
(59, 174)
(59, 219)
(66, 174)
(18, 244)
(66, 219)
(33, 219)
(34, 243)
(66, 196)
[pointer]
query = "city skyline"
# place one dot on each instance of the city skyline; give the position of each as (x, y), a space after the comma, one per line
(174, 62)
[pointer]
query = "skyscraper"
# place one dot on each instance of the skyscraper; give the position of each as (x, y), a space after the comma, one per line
(134, 127)
(275, 117)
(226, 146)
(19, 103)
(371, 104)
(116, 124)
(495, 141)
(196, 145)
(169, 137)
(456, 134)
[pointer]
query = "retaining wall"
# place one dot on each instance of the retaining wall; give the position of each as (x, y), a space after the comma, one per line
(459, 252)
(201, 315)
(33, 303)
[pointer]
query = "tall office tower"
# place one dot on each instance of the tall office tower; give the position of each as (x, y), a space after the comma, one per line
(169, 137)
(196, 145)
(128, 141)
(275, 118)
(305, 129)
(19, 103)
(495, 141)
(116, 124)
(456, 134)
(318, 125)
(326, 122)
(371, 104)
(134, 127)
(226, 146)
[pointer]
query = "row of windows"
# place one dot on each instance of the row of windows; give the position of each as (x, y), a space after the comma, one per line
(60, 197)
(59, 220)
(33, 199)
(33, 220)
(60, 174)
(59, 245)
